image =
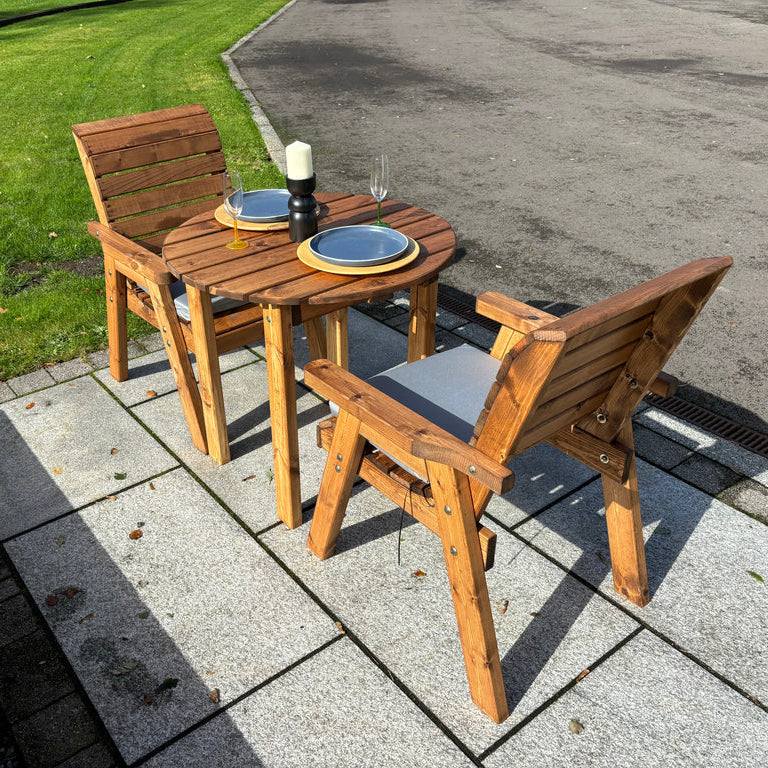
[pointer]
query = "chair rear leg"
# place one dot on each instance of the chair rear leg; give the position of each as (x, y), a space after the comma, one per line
(469, 589)
(117, 329)
(341, 468)
(625, 530)
(315, 338)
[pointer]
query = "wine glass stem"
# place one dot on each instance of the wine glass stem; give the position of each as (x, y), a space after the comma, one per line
(237, 237)
(379, 221)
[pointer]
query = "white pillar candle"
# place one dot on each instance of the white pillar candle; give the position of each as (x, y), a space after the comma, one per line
(298, 160)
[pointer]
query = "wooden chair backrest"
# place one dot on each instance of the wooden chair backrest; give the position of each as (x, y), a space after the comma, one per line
(592, 368)
(150, 172)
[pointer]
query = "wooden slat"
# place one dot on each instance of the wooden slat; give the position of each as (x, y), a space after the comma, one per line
(146, 134)
(142, 118)
(163, 197)
(158, 175)
(160, 152)
(160, 221)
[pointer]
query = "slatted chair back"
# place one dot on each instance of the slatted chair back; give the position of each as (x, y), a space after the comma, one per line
(592, 368)
(150, 172)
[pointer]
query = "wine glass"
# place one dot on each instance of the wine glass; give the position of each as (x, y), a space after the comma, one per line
(379, 183)
(233, 203)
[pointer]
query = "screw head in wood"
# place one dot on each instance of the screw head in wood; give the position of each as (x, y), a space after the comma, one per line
(339, 457)
(601, 417)
(604, 458)
(454, 551)
(337, 468)
(447, 509)
(472, 469)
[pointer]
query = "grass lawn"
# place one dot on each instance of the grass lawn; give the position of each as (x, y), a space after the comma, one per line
(87, 65)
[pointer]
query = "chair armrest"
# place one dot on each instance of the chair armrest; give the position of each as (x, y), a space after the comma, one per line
(516, 315)
(394, 428)
(134, 256)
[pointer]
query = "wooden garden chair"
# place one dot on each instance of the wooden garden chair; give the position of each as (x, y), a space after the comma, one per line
(435, 435)
(148, 173)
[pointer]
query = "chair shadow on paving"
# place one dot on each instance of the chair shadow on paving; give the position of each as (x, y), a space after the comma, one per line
(139, 681)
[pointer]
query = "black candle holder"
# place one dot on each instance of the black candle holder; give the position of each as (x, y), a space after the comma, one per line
(302, 221)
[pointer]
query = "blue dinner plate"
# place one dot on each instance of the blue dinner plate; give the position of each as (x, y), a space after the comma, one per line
(359, 246)
(263, 206)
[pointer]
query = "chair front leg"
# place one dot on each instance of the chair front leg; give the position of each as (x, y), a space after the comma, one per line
(625, 530)
(469, 589)
(181, 366)
(117, 330)
(341, 468)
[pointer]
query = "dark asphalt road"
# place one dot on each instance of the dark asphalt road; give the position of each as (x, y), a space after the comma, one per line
(577, 148)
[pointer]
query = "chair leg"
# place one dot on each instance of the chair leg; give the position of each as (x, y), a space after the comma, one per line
(337, 331)
(315, 338)
(625, 530)
(117, 330)
(209, 374)
(181, 366)
(469, 589)
(341, 468)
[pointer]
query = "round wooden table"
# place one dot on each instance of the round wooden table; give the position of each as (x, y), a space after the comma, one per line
(269, 273)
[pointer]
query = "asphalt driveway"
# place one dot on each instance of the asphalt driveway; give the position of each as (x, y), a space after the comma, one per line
(577, 148)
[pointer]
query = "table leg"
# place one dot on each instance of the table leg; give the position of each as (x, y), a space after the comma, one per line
(421, 324)
(278, 341)
(337, 334)
(209, 373)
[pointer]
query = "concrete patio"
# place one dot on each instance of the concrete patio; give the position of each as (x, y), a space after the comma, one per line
(217, 639)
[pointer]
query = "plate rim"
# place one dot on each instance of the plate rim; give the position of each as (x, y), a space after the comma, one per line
(385, 231)
(265, 219)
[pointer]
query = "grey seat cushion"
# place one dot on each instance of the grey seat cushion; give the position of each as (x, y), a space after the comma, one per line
(179, 293)
(449, 388)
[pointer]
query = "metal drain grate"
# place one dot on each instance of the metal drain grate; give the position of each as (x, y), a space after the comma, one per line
(719, 426)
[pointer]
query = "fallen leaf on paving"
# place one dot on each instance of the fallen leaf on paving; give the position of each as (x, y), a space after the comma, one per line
(60, 541)
(534, 613)
(250, 477)
(504, 606)
(602, 558)
(151, 486)
(51, 600)
(112, 498)
(31, 405)
(215, 696)
(270, 475)
(85, 618)
(151, 393)
(756, 577)
(148, 699)
(662, 530)
(121, 475)
(72, 591)
(419, 574)
(113, 451)
(576, 726)
(58, 470)
(582, 675)
(140, 524)
(209, 672)
(137, 534)
(143, 614)
(169, 615)
(340, 627)
(167, 684)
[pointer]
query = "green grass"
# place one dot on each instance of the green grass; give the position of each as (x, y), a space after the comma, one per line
(87, 65)
(12, 8)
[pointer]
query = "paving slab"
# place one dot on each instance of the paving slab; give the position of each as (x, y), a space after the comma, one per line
(749, 497)
(65, 447)
(657, 449)
(152, 373)
(700, 553)
(717, 448)
(246, 483)
(707, 475)
(549, 626)
(6, 393)
(677, 715)
(152, 625)
(542, 476)
(69, 369)
(335, 709)
(31, 382)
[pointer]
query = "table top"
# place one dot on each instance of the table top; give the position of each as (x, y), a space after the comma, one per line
(269, 272)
